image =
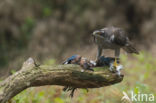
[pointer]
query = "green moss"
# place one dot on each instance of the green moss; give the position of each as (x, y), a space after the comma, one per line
(90, 76)
(101, 68)
(1, 90)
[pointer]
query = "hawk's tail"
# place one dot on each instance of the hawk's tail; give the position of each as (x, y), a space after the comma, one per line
(130, 49)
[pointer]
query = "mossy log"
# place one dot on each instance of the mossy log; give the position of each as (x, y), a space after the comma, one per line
(32, 75)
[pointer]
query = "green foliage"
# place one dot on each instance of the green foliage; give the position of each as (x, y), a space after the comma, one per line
(58, 100)
(11, 45)
(13, 71)
(47, 11)
(26, 30)
(49, 62)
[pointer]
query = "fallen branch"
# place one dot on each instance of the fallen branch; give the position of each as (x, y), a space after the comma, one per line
(32, 75)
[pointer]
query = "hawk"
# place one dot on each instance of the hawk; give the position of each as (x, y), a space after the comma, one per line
(113, 38)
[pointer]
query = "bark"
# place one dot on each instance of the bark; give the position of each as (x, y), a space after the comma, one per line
(32, 75)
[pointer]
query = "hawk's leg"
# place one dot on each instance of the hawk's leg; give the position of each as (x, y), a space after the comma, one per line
(117, 54)
(99, 52)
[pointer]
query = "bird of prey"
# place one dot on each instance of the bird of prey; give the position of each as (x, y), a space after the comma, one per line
(113, 38)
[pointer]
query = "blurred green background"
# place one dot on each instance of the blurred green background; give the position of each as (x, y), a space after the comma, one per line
(52, 30)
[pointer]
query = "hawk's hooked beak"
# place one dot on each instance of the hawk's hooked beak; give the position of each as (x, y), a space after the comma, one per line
(97, 33)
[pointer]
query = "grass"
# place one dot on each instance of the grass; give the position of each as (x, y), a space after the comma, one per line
(139, 77)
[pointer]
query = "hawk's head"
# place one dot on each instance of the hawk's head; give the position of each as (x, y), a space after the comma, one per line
(98, 34)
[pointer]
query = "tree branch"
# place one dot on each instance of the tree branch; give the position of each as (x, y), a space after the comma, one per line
(32, 75)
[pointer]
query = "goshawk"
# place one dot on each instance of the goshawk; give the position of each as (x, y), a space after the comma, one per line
(113, 38)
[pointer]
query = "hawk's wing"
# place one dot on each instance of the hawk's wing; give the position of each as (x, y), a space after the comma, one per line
(121, 39)
(130, 49)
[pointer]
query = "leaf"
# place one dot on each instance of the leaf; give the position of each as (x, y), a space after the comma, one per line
(58, 100)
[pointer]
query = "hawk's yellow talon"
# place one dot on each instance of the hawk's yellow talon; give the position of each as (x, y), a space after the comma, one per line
(115, 63)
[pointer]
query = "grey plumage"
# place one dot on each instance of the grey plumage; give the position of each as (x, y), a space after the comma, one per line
(113, 38)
